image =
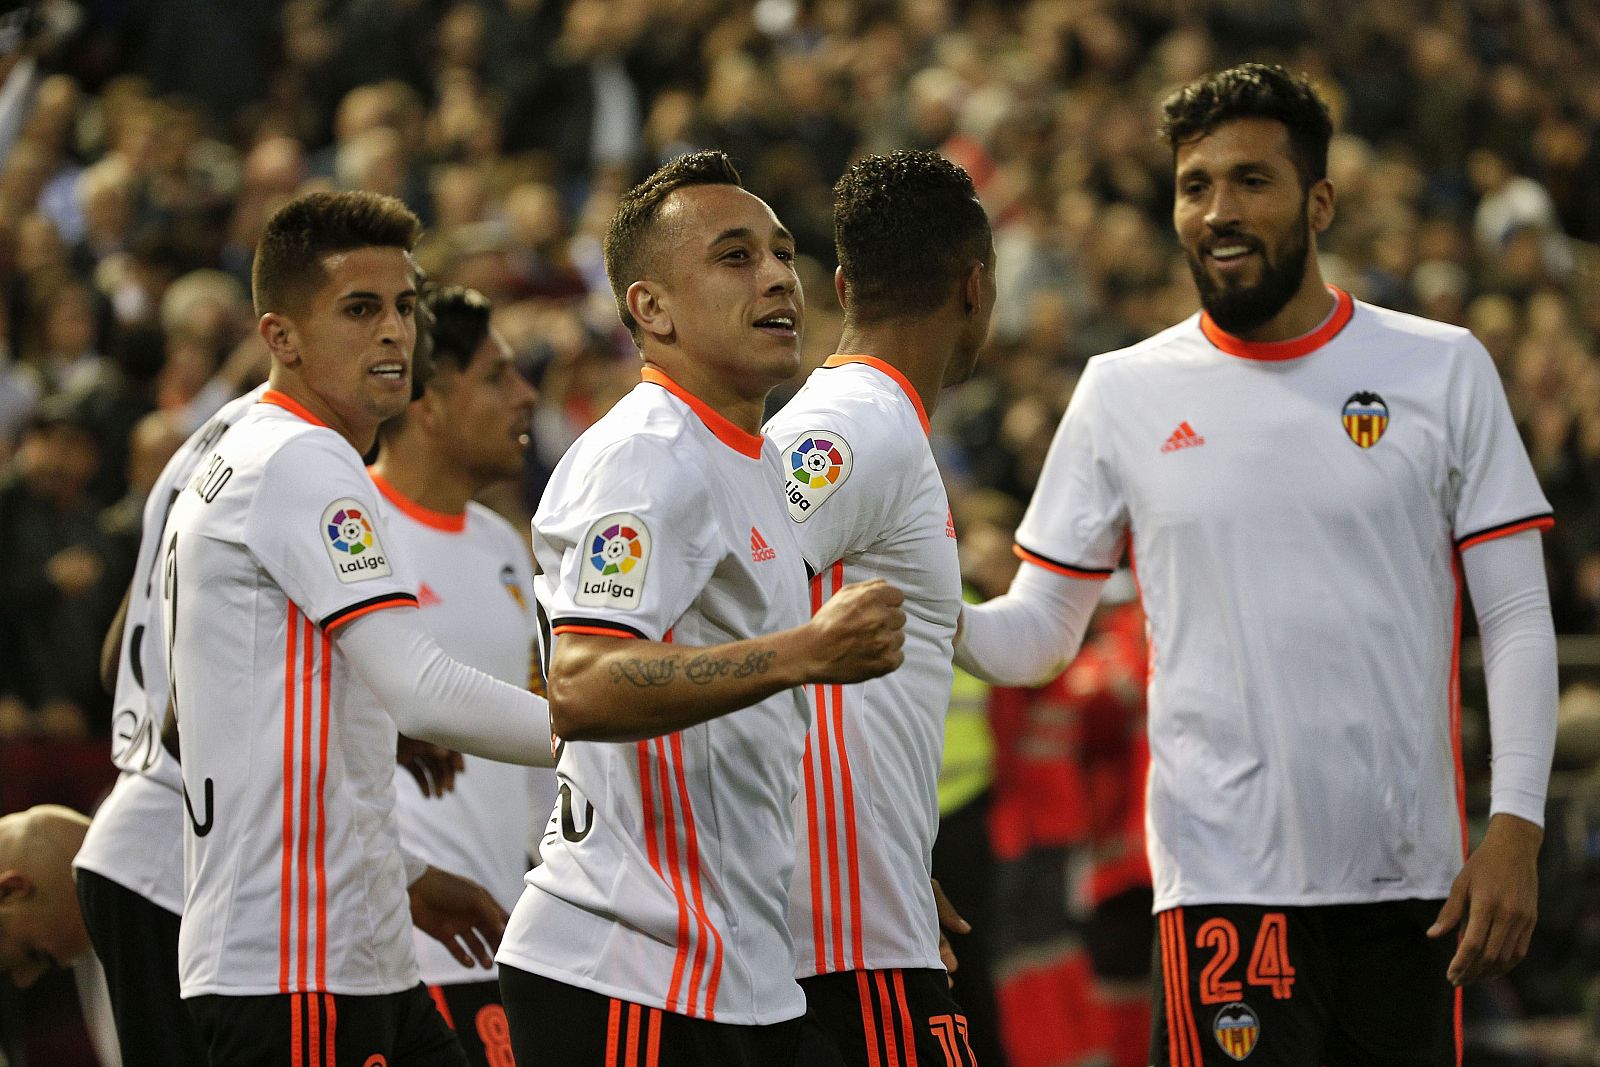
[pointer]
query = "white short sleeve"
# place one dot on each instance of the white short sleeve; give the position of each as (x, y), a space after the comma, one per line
(836, 484)
(635, 539)
(1077, 522)
(314, 528)
(1496, 492)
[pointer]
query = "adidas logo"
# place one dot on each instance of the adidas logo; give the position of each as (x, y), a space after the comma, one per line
(760, 551)
(1183, 437)
(949, 524)
(426, 597)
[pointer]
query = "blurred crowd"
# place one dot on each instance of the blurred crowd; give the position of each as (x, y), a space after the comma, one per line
(144, 142)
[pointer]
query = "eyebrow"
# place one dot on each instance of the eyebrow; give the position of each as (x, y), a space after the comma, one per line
(746, 233)
(362, 294)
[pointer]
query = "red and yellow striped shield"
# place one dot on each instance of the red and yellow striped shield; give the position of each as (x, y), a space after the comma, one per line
(1237, 1030)
(1366, 416)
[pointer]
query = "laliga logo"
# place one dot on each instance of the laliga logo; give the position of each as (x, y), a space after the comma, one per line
(619, 548)
(816, 463)
(350, 532)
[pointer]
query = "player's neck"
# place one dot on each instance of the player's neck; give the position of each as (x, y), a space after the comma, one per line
(733, 400)
(920, 352)
(1309, 308)
(417, 472)
(361, 436)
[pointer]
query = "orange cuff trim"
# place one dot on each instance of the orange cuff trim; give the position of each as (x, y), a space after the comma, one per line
(893, 372)
(741, 441)
(1493, 533)
(438, 520)
(291, 405)
(1089, 573)
(595, 631)
(366, 607)
(1344, 307)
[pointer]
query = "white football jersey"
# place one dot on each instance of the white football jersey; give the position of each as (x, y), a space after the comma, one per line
(866, 501)
(293, 875)
(475, 589)
(666, 862)
(136, 839)
(1295, 513)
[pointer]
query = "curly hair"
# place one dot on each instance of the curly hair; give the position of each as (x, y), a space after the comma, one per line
(1254, 90)
(288, 262)
(630, 239)
(907, 226)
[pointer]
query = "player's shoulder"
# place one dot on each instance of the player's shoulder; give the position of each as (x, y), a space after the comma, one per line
(492, 527)
(865, 407)
(1371, 318)
(640, 441)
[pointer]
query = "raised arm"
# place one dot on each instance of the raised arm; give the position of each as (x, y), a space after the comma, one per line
(617, 689)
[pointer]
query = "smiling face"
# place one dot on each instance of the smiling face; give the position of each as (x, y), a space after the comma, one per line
(1246, 222)
(722, 310)
(486, 408)
(346, 355)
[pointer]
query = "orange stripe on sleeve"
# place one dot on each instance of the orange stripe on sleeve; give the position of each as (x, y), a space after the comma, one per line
(596, 631)
(400, 601)
(1059, 568)
(1540, 522)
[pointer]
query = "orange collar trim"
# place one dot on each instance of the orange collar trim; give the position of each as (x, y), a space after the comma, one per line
(292, 406)
(1344, 307)
(438, 520)
(741, 441)
(839, 360)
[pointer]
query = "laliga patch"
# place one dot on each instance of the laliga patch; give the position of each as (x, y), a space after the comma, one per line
(819, 462)
(616, 554)
(352, 543)
(1237, 1030)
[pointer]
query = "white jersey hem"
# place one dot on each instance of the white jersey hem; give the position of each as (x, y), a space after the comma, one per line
(1387, 895)
(648, 1000)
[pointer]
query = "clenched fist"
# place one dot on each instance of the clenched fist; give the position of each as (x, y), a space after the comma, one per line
(858, 634)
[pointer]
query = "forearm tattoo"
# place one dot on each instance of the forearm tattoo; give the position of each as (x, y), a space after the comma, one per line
(699, 670)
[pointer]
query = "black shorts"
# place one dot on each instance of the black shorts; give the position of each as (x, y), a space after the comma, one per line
(300, 1029)
(890, 1018)
(137, 943)
(474, 1011)
(1339, 985)
(556, 1023)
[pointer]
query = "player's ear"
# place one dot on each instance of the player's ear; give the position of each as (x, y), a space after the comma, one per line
(282, 339)
(14, 886)
(646, 306)
(839, 288)
(972, 288)
(1319, 205)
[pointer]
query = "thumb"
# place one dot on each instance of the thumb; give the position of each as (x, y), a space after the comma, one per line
(1453, 910)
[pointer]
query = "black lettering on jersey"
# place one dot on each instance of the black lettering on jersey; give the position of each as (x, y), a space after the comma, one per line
(133, 741)
(135, 646)
(569, 829)
(209, 480)
(201, 829)
(210, 434)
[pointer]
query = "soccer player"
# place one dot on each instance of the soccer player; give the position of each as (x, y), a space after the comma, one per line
(1302, 481)
(465, 431)
(293, 658)
(865, 500)
(655, 929)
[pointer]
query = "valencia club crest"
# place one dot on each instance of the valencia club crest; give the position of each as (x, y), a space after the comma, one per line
(1237, 1030)
(1366, 416)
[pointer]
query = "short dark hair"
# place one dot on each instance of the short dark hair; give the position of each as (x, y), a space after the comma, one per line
(288, 262)
(630, 243)
(906, 228)
(1254, 90)
(461, 323)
